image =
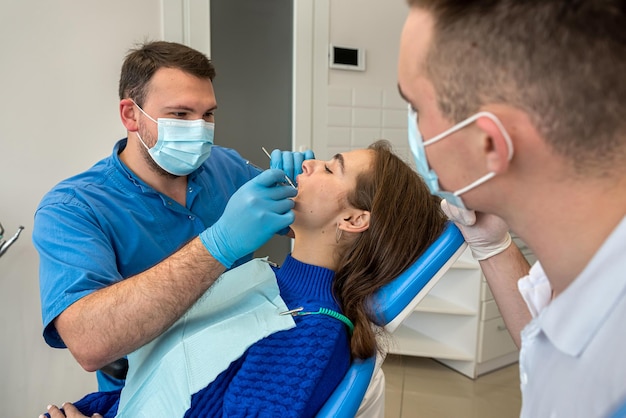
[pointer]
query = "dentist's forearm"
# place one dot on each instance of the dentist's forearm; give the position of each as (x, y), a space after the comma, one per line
(114, 321)
(502, 272)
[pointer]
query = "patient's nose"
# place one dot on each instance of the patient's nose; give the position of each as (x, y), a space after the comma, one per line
(308, 166)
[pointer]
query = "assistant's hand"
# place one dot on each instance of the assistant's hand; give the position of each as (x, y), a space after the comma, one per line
(290, 162)
(257, 211)
(486, 234)
(70, 412)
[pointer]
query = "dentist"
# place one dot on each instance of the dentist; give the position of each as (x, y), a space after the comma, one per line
(127, 246)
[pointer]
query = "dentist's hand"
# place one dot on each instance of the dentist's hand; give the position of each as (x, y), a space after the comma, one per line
(290, 162)
(257, 211)
(486, 234)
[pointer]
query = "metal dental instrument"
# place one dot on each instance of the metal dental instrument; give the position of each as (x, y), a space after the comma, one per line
(286, 176)
(4, 245)
(322, 311)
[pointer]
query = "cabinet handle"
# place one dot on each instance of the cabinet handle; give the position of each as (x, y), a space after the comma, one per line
(501, 328)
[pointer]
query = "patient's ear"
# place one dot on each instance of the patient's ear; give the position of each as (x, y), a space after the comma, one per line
(359, 221)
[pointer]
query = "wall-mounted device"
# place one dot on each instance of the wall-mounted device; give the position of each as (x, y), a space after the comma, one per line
(347, 58)
(4, 244)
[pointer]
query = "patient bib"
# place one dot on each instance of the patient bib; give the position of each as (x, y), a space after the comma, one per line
(241, 308)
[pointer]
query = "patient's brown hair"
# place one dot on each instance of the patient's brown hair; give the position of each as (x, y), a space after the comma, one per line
(405, 220)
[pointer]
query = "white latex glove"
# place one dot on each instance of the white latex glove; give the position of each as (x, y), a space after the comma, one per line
(486, 234)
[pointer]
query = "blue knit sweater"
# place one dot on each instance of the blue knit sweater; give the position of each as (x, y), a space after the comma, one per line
(288, 374)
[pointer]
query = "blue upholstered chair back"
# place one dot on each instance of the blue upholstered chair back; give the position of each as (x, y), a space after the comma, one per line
(620, 412)
(393, 303)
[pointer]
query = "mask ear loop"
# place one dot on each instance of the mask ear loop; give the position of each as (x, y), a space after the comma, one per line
(462, 125)
(471, 120)
(148, 116)
(142, 111)
(477, 183)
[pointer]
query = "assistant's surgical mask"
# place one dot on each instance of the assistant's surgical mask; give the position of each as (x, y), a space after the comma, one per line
(182, 145)
(417, 145)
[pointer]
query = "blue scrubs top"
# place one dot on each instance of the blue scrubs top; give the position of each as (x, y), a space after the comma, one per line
(105, 224)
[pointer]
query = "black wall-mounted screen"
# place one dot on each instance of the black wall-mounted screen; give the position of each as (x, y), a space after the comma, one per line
(346, 56)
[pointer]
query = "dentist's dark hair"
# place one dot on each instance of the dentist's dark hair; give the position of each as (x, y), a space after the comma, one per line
(141, 63)
(405, 219)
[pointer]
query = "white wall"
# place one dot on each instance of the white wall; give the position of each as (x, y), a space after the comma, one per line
(351, 108)
(59, 69)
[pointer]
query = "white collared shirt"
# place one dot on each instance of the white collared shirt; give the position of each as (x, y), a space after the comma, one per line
(573, 356)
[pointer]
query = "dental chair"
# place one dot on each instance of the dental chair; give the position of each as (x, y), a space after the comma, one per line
(393, 303)
(620, 412)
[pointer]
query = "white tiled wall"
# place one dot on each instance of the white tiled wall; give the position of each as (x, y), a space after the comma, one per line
(358, 116)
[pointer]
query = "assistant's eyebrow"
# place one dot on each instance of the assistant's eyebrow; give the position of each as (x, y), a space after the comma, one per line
(341, 162)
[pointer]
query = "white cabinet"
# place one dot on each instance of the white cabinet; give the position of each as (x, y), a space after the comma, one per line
(458, 324)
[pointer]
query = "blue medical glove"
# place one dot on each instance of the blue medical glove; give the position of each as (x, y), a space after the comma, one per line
(290, 162)
(254, 213)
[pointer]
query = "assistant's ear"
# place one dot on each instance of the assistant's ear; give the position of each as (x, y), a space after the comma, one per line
(498, 145)
(359, 221)
(129, 115)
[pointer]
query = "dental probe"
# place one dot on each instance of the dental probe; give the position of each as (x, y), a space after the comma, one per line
(286, 176)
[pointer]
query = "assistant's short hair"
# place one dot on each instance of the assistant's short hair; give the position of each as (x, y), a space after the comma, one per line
(142, 62)
(562, 62)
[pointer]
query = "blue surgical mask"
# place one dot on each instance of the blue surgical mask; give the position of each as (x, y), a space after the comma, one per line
(417, 145)
(182, 145)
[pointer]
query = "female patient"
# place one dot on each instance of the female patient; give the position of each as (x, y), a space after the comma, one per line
(361, 219)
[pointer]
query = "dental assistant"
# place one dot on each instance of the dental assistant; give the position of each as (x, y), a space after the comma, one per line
(127, 246)
(518, 121)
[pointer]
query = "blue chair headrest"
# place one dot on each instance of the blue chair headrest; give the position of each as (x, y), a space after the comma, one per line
(347, 397)
(390, 300)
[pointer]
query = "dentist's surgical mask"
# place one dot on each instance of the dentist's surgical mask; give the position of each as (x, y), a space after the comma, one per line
(417, 145)
(182, 145)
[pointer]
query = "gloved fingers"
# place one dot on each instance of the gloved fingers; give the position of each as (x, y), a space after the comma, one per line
(270, 178)
(289, 163)
(284, 160)
(278, 193)
(309, 155)
(278, 206)
(486, 234)
(493, 225)
(276, 222)
(454, 213)
(276, 159)
(298, 159)
(265, 210)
